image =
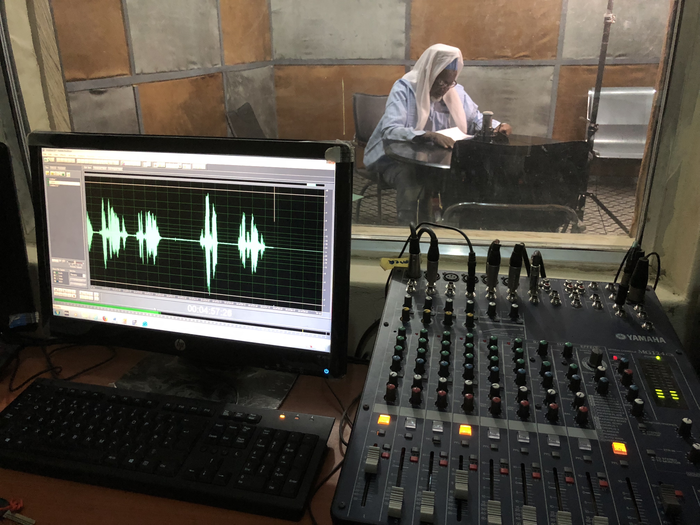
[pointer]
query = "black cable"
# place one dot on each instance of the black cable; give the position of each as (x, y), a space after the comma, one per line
(321, 483)
(13, 388)
(345, 419)
(658, 267)
(85, 370)
(365, 336)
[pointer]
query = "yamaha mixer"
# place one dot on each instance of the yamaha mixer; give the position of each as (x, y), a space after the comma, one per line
(518, 399)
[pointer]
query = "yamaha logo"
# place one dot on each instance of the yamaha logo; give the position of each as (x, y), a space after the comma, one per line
(642, 338)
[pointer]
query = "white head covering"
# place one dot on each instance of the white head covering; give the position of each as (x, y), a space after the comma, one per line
(430, 64)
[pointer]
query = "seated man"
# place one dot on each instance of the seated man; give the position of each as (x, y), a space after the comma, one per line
(422, 102)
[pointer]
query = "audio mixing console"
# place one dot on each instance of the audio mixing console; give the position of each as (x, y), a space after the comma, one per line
(523, 400)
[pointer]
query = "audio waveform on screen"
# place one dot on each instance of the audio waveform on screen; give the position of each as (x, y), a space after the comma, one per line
(114, 235)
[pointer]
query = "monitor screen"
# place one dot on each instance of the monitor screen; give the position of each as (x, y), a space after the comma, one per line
(217, 249)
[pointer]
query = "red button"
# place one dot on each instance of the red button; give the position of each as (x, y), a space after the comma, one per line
(504, 471)
(536, 475)
(385, 455)
(569, 480)
(414, 459)
(679, 493)
(603, 484)
(473, 466)
(443, 462)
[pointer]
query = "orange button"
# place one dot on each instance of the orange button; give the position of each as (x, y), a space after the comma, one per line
(536, 475)
(414, 459)
(603, 484)
(384, 419)
(569, 480)
(619, 449)
(504, 471)
(385, 455)
(679, 493)
(443, 462)
(473, 466)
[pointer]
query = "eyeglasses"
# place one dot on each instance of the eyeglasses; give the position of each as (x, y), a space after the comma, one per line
(442, 84)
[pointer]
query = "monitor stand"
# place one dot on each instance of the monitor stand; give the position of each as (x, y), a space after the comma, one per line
(242, 385)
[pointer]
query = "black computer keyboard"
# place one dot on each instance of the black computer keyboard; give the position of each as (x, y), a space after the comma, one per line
(212, 453)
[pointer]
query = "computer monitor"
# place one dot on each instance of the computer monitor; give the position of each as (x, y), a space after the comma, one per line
(220, 250)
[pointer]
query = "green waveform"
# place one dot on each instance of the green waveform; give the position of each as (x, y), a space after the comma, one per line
(250, 244)
(114, 235)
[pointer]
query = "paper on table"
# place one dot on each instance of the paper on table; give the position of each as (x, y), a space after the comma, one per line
(455, 134)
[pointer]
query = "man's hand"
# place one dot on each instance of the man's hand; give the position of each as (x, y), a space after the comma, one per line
(504, 128)
(439, 139)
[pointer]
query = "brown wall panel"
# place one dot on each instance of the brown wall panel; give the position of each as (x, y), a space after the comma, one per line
(245, 25)
(572, 95)
(496, 29)
(190, 106)
(310, 101)
(91, 38)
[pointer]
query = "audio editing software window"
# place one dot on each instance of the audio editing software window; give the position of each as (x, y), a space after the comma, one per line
(235, 247)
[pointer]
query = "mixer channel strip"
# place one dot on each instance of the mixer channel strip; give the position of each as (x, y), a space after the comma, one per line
(525, 401)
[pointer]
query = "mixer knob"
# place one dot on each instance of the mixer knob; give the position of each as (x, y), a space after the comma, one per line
(593, 285)
(468, 387)
(420, 366)
(423, 343)
(579, 399)
(470, 306)
(442, 384)
(468, 403)
(523, 392)
(416, 397)
(417, 381)
(553, 412)
(597, 305)
(395, 363)
(393, 378)
(493, 361)
(407, 301)
(402, 331)
(493, 350)
(427, 315)
(610, 287)
(554, 298)
(632, 393)
(518, 354)
(428, 305)
(568, 284)
(622, 365)
(568, 351)
(401, 341)
(469, 349)
(514, 312)
(548, 380)
(603, 386)
(572, 370)
(495, 390)
(469, 339)
(468, 372)
(495, 374)
(599, 372)
(520, 377)
(449, 305)
(469, 358)
(694, 454)
(422, 353)
(445, 345)
(627, 377)
(445, 355)
(491, 311)
(405, 314)
(517, 343)
(441, 401)
(493, 340)
(575, 383)
(576, 302)
(470, 322)
(546, 367)
(447, 335)
(390, 395)
(520, 363)
(542, 348)
(423, 333)
(582, 416)
(595, 359)
(524, 409)
(550, 396)
(448, 319)
(638, 407)
(685, 427)
(398, 350)
(444, 369)
(495, 406)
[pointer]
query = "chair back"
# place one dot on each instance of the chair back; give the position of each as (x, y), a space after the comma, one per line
(243, 123)
(367, 111)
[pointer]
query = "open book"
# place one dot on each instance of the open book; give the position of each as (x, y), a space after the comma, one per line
(455, 134)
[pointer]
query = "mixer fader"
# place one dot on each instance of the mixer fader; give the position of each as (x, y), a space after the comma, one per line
(519, 399)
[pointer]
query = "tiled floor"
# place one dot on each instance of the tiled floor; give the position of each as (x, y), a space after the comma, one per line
(615, 193)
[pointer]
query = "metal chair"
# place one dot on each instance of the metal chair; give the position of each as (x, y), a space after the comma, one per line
(367, 111)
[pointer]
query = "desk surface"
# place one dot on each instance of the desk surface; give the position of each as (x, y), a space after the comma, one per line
(54, 501)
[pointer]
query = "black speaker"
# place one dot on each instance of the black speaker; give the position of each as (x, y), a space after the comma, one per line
(17, 310)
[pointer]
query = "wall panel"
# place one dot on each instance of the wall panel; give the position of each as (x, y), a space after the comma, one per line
(245, 26)
(257, 87)
(110, 110)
